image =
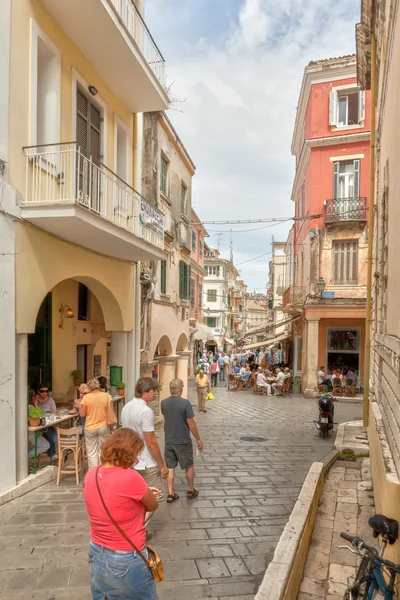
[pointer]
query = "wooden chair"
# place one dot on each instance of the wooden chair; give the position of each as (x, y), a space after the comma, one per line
(231, 382)
(69, 439)
(258, 389)
(350, 387)
(323, 389)
(287, 386)
(337, 385)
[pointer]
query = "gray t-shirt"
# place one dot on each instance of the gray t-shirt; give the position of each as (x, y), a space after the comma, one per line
(176, 411)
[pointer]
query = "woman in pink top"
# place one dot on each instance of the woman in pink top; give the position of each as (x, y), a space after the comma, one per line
(214, 370)
(117, 572)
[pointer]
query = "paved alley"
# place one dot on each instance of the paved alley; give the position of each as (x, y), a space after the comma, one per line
(216, 546)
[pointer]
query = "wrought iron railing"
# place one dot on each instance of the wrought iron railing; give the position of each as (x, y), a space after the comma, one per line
(134, 24)
(63, 174)
(345, 209)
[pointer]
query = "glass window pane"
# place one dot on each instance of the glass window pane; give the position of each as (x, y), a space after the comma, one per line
(342, 120)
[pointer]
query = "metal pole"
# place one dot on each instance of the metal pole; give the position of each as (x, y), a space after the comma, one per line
(368, 315)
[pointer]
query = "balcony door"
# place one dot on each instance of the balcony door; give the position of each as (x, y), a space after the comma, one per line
(88, 137)
(346, 188)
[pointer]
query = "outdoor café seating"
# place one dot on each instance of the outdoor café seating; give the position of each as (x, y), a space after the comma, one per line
(70, 440)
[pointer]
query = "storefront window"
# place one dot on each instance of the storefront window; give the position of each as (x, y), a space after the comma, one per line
(343, 340)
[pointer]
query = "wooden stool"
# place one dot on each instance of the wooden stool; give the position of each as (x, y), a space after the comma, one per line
(68, 439)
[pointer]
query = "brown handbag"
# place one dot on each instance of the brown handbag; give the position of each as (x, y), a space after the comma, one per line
(154, 561)
(111, 417)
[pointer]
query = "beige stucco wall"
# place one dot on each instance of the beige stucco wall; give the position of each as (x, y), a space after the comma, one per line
(23, 11)
(43, 261)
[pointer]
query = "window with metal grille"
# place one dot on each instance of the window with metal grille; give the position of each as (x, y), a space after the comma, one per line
(164, 175)
(345, 262)
(194, 240)
(211, 322)
(211, 295)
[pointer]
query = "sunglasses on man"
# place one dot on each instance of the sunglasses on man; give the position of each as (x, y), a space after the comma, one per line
(43, 391)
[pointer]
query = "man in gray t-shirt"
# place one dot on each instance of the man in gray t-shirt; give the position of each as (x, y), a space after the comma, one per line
(178, 423)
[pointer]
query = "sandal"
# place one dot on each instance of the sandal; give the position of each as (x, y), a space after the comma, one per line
(193, 494)
(171, 498)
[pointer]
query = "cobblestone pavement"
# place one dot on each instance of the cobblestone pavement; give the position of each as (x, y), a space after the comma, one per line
(216, 546)
(346, 504)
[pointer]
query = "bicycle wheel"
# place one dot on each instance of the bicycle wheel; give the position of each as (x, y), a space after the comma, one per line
(359, 589)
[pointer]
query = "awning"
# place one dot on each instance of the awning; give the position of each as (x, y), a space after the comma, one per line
(229, 341)
(268, 343)
(202, 332)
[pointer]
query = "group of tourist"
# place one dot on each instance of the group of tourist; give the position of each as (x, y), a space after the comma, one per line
(337, 374)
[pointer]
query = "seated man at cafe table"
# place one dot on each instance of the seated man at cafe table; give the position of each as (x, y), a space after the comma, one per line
(45, 402)
(245, 377)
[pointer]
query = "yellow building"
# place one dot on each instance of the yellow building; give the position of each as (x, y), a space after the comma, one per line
(76, 78)
(378, 69)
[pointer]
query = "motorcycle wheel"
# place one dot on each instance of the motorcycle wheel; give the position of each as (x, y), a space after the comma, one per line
(324, 432)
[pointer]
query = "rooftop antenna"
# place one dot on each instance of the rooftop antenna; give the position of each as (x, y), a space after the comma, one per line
(231, 244)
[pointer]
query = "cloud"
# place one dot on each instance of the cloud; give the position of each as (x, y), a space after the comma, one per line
(239, 65)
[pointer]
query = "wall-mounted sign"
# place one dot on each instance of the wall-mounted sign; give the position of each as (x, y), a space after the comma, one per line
(328, 294)
(151, 218)
(97, 365)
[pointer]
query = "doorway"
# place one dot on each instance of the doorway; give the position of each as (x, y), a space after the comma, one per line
(39, 347)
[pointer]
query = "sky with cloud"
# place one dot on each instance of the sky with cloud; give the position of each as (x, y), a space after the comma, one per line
(236, 68)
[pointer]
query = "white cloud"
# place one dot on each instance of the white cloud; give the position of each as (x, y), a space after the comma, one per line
(239, 64)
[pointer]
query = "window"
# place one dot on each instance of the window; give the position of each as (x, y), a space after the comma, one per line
(201, 248)
(184, 280)
(163, 278)
(343, 340)
(183, 198)
(194, 240)
(206, 269)
(303, 199)
(164, 174)
(45, 89)
(83, 303)
(212, 322)
(345, 262)
(229, 301)
(213, 270)
(200, 295)
(346, 179)
(192, 292)
(346, 107)
(211, 295)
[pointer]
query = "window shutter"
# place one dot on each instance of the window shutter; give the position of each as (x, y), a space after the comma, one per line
(163, 276)
(333, 108)
(200, 295)
(206, 268)
(188, 278)
(217, 271)
(336, 166)
(356, 165)
(361, 106)
(181, 278)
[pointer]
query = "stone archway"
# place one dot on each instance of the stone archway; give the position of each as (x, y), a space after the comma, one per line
(164, 347)
(183, 343)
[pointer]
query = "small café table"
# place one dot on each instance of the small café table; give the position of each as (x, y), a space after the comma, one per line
(37, 431)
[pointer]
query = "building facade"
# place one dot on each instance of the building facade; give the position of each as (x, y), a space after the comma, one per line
(276, 284)
(74, 224)
(378, 70)
(330, 237)
(199, 331)
(166, 285)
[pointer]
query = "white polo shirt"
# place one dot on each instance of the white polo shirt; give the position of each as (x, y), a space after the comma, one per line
(138, 416)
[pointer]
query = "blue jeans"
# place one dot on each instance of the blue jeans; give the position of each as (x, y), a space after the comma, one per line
(119, 575)
(222, 373)
(51, 436)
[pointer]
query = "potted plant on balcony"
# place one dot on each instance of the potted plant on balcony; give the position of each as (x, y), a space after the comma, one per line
(121, 388)
(296, 384)
(76, 377)
(34, 416)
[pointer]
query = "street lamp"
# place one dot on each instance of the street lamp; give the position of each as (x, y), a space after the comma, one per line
(321, 285)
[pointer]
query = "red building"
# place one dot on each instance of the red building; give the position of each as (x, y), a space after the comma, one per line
(329, 245)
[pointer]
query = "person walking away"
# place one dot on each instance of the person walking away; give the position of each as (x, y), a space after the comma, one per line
(45, 402)
(262, 382)
(214, 373)
(203, 388)
(221, 363)
(227, 362)
(138, 415)
(178, 424)
(116, 570)
(93, 406)
(323, 380)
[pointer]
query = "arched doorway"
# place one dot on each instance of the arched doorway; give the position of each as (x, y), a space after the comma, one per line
(183, 343)
(212, 345)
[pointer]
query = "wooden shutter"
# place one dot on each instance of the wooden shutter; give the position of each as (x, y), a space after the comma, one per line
(88, 137)
(206, 268)
(217, 271)
(356, 165)
(163, 276)
(361, 106)
(188, 278)
(181, 279)
(336, 167)
(200, 295)
(333, 108)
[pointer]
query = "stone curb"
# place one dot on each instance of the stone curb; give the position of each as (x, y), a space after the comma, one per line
(349, 441)
(283, 576)
(29, 483)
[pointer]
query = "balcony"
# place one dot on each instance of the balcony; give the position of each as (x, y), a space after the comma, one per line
(115, 39)
(70, 196)
(342, 210)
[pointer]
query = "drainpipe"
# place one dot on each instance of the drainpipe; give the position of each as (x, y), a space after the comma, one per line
(368, 315)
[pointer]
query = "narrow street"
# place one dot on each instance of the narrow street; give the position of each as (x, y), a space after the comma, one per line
(216, 546)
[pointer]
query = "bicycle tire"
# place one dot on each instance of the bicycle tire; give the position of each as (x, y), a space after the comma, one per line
(353, 593)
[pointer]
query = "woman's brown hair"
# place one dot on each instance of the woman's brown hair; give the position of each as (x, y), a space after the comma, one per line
(122, 448)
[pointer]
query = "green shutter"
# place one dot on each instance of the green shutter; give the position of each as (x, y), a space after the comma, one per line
(163, 276)
(217, 271)
(181, 279)
(189, 276)
(356, 166)
(336, 166)
(206, 268)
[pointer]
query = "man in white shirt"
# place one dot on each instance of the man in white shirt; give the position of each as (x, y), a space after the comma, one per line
(279, 381)
(262, 382)
(323, 380)
(138, 415)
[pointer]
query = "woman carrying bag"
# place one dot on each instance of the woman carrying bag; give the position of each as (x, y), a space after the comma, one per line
(96, 406)
(121, 566)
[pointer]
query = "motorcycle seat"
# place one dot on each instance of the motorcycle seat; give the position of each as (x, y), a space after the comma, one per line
(384, 526)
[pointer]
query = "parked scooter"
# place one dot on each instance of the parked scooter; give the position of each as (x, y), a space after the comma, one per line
(326, 413)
